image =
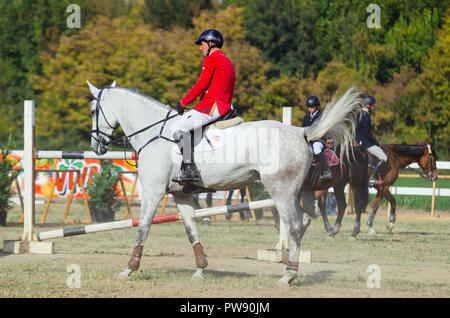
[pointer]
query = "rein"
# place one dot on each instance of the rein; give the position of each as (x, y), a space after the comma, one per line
(422, 173)
(125, 140)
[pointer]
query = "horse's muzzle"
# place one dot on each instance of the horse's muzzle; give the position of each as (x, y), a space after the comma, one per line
(431, 176)
(100, 147)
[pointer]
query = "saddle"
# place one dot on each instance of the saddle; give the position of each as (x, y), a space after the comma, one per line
(226, 121)
(222, 124)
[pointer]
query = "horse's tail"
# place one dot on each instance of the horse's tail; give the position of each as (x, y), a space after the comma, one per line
(338, 120)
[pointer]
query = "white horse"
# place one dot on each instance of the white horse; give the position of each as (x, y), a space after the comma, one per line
(282, 168)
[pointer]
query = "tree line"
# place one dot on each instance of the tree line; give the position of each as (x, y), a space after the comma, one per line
(283, 51)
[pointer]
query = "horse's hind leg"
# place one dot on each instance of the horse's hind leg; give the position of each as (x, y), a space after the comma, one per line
(361, 197)
(292, 216)
(185, 205)
(341, 205)
(322, 195)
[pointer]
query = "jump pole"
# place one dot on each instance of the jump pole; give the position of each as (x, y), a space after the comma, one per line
(117, 225)
(57, 154)
(276, 254)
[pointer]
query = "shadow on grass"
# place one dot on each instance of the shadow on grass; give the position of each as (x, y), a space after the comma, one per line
(157, 273)
(312, 279)
(2, 254)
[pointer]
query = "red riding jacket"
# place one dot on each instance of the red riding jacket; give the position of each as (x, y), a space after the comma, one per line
(216, 85)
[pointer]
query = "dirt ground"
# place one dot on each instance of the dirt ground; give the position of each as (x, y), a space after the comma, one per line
(413, 261)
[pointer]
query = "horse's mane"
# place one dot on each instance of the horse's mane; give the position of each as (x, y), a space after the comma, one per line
(136, 91)
(408, 150)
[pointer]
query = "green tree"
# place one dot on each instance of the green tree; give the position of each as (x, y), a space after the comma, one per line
(7, 177)
(164, 64)
(167, 13)
(426, 108)
(284, 31)
(29, 28)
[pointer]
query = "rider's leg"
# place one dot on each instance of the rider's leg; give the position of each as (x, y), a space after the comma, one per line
(320, 156)
(185, 130)
(379, 153)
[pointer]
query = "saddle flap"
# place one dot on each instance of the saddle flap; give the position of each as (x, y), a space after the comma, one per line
(332, 158)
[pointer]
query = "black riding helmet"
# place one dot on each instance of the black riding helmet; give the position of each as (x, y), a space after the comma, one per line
(312, 101)
(211, 35)
(369, 100)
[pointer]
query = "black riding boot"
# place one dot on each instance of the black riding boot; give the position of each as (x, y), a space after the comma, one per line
(188, 170)
(326, 173)
(374, 178)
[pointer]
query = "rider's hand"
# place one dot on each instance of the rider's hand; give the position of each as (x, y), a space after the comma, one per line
(180, 109)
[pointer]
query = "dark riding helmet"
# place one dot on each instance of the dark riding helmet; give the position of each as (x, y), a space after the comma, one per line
(211, 35)
(312, 101)
(369, 100)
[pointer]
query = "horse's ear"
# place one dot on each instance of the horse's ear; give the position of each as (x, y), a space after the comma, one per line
(94, 90)
(113, 84)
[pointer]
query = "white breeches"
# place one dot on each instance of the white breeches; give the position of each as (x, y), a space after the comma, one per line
(193, 119)
(317, 147)
(377, 152)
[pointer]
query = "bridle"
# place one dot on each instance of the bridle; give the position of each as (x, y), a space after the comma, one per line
(99, 134)
(124, 140)
(431, 163)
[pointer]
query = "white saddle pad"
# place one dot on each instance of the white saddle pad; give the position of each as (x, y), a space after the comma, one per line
(213, 139)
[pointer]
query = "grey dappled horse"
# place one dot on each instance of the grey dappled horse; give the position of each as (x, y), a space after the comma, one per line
(276, 154)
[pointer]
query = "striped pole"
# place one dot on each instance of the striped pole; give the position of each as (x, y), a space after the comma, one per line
(112, 155)
(117, 225)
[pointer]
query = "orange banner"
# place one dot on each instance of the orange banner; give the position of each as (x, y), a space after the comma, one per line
(65, 179)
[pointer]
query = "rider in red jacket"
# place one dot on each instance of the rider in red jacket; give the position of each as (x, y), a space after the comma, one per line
(216, 87)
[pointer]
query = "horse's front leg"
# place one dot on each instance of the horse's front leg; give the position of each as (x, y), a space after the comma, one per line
(185, 205)
(149, 204)
(376, 204)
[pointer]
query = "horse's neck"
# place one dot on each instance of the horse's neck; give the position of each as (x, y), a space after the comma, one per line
(134, 113)
(403, 161)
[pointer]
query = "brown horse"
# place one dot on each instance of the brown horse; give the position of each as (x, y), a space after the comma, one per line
(353, 171)
(399, 156)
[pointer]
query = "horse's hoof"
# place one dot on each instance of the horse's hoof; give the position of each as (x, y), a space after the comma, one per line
(287, 279)
(390, 227)
(125, 275)
(282, 284)
(372, 231)
(352, 238)
(197, 276)
(206, 221)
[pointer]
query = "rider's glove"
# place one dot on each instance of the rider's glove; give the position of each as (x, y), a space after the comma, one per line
(180, 109)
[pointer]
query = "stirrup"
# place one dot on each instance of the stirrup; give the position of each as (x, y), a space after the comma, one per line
(374, 182)
(326, 176)
(189, 174)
